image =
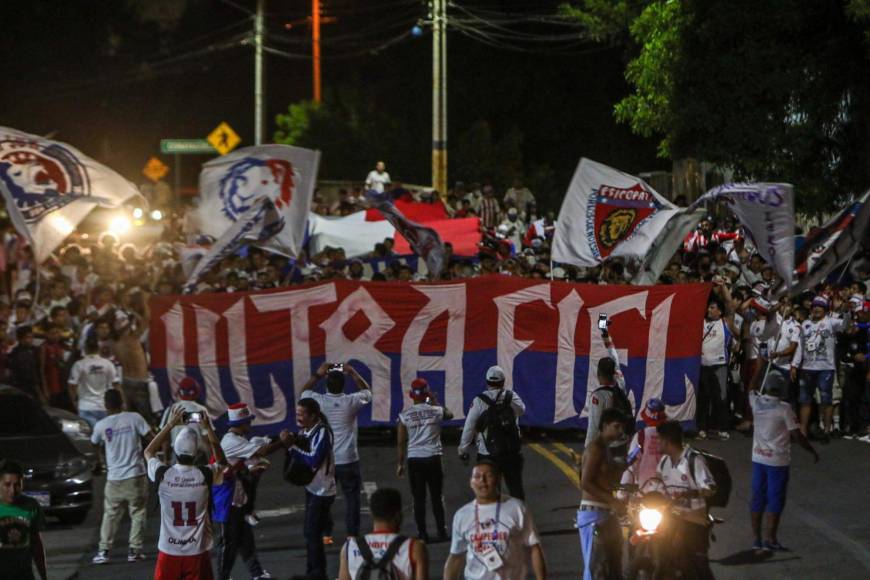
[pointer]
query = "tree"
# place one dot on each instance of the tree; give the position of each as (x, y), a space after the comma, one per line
(773, 90)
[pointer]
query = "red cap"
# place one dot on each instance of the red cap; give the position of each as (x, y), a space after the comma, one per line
(188, 389)
(419, 389)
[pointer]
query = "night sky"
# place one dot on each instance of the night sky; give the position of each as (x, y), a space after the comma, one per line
(113, 77)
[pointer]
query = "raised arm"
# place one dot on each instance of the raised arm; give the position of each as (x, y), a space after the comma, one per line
(361, 383)
(321, 372)
(176, 418)
(216, 450)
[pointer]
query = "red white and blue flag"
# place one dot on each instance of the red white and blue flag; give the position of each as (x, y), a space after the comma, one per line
(261, 347)
(833, 244)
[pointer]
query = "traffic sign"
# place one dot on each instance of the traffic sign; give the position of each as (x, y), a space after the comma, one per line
(155, 170)
(224, 139)
(185, 146)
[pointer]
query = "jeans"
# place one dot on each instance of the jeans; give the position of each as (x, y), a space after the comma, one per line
(422, 473)
(349, 478)
(134, 493)
(92, 416)
(511, 473)
(712, 397)
(236, 537)
(316, 514)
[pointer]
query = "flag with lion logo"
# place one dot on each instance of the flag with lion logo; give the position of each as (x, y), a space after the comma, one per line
(608, 213)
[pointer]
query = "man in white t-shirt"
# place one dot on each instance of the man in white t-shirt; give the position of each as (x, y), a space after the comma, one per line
(407, 558)
(122, 432)
(378, 179)
(184, 491)
(712, 410)
(775, 427)
(781, 335)
(818, 363)
(494, 536)
(419, 439)
(341, 411)
(89, 379)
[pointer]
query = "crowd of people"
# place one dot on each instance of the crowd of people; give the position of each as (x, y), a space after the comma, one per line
(73, 334)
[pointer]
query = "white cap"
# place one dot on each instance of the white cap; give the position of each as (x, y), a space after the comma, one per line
(494, 375)
(186, 442)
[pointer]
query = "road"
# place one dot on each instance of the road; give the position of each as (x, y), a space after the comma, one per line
(825, 522)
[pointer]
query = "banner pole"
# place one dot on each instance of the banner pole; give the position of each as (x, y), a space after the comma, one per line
(551, 269)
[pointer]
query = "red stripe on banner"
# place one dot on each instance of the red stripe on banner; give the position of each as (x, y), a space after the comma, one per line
(415, 211)
(463, 233)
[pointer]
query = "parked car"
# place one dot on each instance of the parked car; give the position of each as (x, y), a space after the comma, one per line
(77, 430)
(56, 474)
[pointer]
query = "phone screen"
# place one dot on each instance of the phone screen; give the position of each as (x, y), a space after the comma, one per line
(193, 417)
(602, 322)
(338, 367)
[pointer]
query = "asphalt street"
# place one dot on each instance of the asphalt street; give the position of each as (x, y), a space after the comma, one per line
(825, 523)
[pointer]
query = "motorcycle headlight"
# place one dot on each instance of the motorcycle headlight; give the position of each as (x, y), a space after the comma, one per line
(70, 468)
(650, 519)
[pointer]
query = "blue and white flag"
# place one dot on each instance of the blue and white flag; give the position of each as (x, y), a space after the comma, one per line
(766, 211)
(425, 241)
(260, 224)
(230, 185)
(50, 187)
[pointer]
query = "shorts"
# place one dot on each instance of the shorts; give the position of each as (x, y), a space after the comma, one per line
(769, 485)
(812, 380)
(183, 567)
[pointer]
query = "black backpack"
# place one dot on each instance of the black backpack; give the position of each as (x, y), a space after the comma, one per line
(621, 402)
(383, 569)
(498, 423)
(721, 475)
(297, 472)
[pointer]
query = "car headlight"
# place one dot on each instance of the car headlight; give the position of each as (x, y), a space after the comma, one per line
(78, 428)
(650, 519)
(72, 467)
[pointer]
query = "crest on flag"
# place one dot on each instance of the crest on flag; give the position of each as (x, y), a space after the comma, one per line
(615, 214)
(41, 176)
(249, 178)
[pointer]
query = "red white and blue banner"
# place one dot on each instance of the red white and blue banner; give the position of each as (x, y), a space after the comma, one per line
(828, 247)
(261, 347)
(49, 187)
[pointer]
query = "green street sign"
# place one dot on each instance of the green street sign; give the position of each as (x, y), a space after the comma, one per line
(186, 146)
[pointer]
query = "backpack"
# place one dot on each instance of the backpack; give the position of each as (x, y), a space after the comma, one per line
(621, 402)
(383, 569)
(498, 423)
(296, 471)
(721, 475)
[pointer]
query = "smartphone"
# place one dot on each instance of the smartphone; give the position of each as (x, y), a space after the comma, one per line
(336, 367)
(192, 417)
(602, 322)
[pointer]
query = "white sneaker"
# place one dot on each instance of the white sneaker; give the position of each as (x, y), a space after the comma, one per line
(264, 576)
(253, 521)
(702, 434)
(724, 435)
(135, 555)
(101, 558)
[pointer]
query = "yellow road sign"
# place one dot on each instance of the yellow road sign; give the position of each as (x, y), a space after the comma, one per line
(155, 170)
(223, 139)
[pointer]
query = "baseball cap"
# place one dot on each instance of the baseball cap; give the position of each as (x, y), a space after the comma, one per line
(494, 374)
(188, 389)
(820, 301)
(186, 442)
(239, 414)
(419, 389)
(653, 413)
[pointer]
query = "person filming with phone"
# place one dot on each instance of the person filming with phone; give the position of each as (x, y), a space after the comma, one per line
(610, 392)
(341, 410)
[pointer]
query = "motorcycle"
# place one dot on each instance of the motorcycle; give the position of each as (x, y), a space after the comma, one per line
(651, 528)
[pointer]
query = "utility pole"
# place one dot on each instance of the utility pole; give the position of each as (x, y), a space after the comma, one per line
(439, 96)
(258, 72)
(315, 48)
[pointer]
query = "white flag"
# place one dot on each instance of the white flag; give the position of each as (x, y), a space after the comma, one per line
(50, 187)
(229, 186)
(609, 213)
(766, 211)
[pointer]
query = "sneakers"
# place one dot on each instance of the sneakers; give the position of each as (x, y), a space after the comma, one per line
(758, 546)
(723, 435)
(135, 555)
(101, 558)
(252, 520)
(328, 540)
(264, 576)
(775, 547)
(702, 434)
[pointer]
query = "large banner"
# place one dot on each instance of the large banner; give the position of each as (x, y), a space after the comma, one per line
(261, 347)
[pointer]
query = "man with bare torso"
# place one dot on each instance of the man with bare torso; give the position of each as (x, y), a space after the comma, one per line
(130, 354)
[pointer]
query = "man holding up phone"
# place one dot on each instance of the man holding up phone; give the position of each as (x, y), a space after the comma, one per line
(341, 411)
(609, 380)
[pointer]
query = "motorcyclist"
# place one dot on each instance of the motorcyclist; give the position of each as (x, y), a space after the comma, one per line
(643, 452)
(686, 479)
